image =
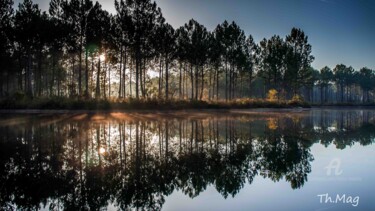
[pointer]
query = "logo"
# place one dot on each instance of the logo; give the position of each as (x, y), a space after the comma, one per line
(344, 199)
(334, 165)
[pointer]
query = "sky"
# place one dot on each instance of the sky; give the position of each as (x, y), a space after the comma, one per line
(340, 31)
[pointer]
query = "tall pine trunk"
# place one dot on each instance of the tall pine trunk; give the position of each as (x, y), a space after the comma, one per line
(166, 79)
(192, 81)
(97, 92)
(120, 94)
(196, 82)
(202, 82)
(86, 74)
(125, 59)
(180, 82)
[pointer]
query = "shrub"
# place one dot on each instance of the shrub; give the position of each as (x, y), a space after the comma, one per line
(272, 95)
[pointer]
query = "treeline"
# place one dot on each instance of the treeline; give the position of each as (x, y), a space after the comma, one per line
(78, 50)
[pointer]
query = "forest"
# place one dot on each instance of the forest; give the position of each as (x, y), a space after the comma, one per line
(77, 50)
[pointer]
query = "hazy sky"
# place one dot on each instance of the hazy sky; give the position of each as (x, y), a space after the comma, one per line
(340, 31)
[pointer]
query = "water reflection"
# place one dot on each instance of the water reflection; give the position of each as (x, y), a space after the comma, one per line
(88, 161)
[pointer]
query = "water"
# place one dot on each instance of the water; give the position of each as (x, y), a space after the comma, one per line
(237, 160)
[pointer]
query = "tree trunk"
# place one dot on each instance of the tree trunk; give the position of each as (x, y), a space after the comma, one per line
(217, 84)
(131, 77)
(80, 68)
(72, 89)
(250, 88)
(144, 94)
(125, 59)
(38, 75)
(137, 74)
(180, 82)
(196, 82)
(210, 87)
(51, 85)
(58, 83)
(120, 94)
(160, 76)
(97, 92)
(202, 82)
(321, 94)
(192, 81)
(342, 93)
(140, 72)
(226, 81)
(92, 73)
(29, 91)
(104, 79)
(166, 79)
(109, 82)
(230, 83)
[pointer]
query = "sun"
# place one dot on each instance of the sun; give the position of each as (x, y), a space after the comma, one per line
(102, 57)
(101, 150)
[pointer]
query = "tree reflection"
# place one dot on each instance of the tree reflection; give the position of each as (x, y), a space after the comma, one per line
(134, 161)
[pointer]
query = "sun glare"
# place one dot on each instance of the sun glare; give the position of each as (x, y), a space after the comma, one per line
(101, 150)
(102, 57)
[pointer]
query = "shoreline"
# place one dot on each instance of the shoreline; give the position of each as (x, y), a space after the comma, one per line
(63, 105)
(186, 110)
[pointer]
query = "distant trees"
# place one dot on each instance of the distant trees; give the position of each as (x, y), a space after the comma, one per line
(326, 77)
(344, 78)
(6, 38)
(366, 79)
(79, 50)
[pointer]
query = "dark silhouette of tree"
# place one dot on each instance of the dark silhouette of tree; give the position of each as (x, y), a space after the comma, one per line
(144, 15)
(26, 22)
(192, 38)
(366, 82)
(272, 64)
(124, 39)
(298, 60)
(6, 37)
(344, 78)
(233, 41)
(215, 58)
(58, 35)
(339, 74)
(326, 77)
(167, 42)
(98, 25)
(251, 60)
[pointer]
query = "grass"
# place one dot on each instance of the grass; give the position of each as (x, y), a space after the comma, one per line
(59, 103)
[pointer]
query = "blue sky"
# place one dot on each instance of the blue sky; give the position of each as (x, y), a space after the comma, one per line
(340, 31)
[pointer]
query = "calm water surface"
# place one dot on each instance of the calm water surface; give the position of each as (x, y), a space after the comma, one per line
(237, 160)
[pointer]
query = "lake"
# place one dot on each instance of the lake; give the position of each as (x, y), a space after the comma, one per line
(315, 159)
